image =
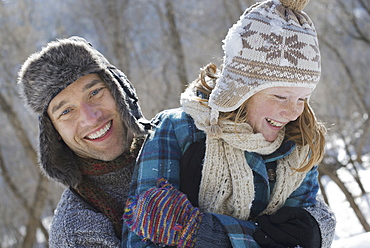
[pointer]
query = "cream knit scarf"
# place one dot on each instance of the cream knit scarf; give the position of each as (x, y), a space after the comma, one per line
(227, 180)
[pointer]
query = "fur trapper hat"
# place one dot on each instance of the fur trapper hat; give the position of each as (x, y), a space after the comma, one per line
(46, 73)
(274, 43)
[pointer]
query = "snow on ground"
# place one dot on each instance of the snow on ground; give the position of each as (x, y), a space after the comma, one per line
(357, 241)
(349, 232)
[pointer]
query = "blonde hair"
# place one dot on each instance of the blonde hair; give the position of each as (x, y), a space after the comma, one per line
(306, 130)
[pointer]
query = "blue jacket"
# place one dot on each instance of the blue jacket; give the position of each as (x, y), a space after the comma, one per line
(160, 157)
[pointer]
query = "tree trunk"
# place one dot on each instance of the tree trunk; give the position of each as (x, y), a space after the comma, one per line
(175, 41)
(323, 192)
(41, 191)
(325, 169)
(18, 195)
(34, 218)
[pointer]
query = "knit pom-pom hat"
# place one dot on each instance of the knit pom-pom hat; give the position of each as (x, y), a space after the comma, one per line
(274, 43)
(46, 73)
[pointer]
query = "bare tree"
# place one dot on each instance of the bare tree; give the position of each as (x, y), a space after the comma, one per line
(30, 196)
(176, 43)
(110, 19)
(35, 211)
(344, 38)
(160, 45)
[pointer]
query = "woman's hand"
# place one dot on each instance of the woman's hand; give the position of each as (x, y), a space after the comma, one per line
(163, 215)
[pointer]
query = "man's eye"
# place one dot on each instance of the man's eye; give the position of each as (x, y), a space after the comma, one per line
(96, 91)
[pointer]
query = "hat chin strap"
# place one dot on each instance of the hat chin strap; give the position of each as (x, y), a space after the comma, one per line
(56, 159)
(297, 5)
(214, 130)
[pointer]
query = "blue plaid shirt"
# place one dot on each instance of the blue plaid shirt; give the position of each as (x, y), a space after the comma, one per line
(160, 157)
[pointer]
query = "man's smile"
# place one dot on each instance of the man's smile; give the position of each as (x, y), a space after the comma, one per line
(100, 133)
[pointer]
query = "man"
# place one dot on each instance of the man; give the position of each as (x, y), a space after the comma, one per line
(91, 128)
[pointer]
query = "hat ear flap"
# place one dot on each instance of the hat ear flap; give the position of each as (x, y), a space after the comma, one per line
(127, 102)
(53, 153)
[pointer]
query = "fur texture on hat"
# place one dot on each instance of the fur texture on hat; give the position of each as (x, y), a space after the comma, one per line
(46, 73)
(274, 43)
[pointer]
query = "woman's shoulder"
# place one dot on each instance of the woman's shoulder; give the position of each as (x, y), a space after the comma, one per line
(176, 118)
(178, 122)
(174, 115)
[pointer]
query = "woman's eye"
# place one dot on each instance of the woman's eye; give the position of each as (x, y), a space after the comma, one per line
(280, 97)
(65, 112)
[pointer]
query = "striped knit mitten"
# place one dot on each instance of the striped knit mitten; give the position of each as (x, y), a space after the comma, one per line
(163, 215)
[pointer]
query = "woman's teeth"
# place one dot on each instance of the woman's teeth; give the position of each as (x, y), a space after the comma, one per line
(101, 132)
(274, 123)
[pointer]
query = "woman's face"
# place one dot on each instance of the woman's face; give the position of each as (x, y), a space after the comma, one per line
(271, 109)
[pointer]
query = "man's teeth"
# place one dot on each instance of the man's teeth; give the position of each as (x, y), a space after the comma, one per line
(274, 123)
(101, 132)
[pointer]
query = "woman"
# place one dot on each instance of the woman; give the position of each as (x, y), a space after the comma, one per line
(262, 145)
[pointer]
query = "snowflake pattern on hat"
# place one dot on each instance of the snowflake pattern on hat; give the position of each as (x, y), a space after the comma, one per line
(271, 45)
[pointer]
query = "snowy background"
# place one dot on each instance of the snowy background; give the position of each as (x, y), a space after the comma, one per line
(349, 232)
(136, 35)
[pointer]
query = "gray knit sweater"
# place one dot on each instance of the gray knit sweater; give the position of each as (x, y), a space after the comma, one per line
(76, 224)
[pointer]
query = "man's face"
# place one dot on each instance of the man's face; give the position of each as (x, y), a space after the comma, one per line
(86, 117)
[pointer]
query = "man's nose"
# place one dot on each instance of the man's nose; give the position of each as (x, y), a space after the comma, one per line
(89, 114)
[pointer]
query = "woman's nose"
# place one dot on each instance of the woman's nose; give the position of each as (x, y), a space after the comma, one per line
(292, 111)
